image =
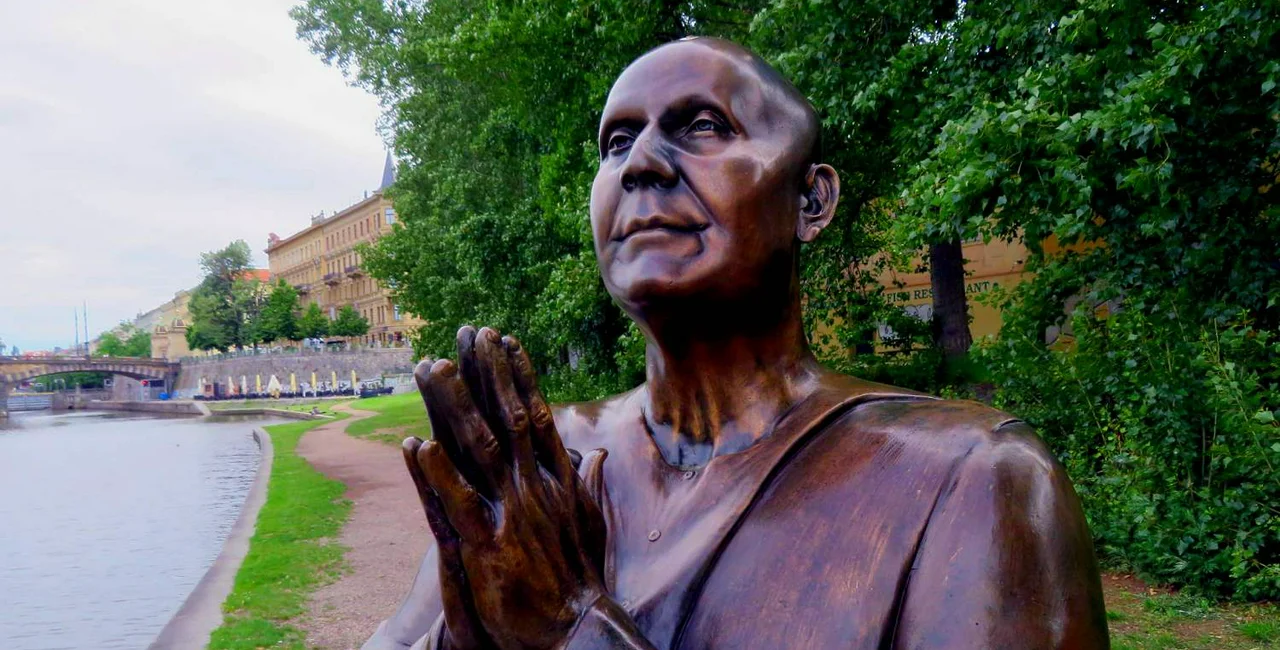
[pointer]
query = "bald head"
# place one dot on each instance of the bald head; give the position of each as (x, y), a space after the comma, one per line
(782, 99)
(708, 179)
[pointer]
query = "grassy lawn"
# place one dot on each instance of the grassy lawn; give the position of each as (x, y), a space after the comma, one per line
(291, 554)
(1143, 618)
(398, 416)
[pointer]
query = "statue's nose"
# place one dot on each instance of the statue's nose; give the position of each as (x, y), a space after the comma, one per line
(649, 163)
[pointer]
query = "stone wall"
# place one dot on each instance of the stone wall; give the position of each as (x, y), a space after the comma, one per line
(368, 364)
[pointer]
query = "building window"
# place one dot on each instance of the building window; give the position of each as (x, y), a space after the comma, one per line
(391, 216)
(333, 313)
(395, 313)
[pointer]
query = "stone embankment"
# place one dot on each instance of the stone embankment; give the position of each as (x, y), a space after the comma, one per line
(367, 364)
(174, 407)
(201, 613)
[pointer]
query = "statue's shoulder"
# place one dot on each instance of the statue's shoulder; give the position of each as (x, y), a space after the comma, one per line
(581, 424)
(945, 430)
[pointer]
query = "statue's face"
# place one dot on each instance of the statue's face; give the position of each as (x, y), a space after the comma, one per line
(700, 181)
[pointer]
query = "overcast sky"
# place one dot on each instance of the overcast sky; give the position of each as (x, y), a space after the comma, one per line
(135, 134)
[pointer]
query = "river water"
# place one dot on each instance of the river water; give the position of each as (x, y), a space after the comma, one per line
(107, 522)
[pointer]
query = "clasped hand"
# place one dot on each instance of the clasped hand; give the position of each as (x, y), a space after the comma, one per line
(521, 539)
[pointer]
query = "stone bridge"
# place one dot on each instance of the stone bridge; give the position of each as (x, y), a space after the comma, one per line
(15, 370)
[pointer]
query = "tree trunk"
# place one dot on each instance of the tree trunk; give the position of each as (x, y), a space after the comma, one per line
(950, 307)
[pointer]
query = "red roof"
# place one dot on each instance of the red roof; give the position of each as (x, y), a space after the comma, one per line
(261, 275)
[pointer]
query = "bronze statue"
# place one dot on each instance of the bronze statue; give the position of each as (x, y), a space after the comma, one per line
(743, 496)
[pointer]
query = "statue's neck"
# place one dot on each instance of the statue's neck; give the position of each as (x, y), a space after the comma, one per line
(721, 391)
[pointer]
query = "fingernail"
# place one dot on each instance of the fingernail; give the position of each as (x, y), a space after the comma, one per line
(444, 368)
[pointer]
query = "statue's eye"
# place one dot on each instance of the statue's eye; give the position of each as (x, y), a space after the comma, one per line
(704, 125)
(620, 141)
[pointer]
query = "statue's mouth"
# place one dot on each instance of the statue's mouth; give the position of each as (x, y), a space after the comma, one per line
(660, 223)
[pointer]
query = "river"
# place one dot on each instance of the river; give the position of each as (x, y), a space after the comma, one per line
(107, 521)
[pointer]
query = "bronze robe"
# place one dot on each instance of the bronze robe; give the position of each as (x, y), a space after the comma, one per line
(870, 517)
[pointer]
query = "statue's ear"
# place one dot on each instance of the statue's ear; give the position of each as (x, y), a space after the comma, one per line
(817, 202)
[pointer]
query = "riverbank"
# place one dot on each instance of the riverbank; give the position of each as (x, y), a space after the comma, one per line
(292, 552)
(201, 612)
(170, 407)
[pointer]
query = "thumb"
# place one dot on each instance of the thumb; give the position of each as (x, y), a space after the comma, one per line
(592, 472)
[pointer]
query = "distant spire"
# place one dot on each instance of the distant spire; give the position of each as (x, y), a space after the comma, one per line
(388, 173)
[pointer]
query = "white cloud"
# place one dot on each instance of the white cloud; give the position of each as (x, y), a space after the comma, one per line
(135, 134)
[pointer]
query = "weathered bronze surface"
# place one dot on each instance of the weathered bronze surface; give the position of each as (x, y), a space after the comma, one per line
(750, 498)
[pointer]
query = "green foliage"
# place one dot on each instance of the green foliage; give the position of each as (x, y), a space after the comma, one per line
(495, 108)
(70, 380)
(225, 306)
(349, 322)
(279, 318)
(1171, 441)
(313, 324)
(129, 342)
(1142, 138)
(291, 554)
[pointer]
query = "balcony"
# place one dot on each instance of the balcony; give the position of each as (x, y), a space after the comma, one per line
(332, 279)
(354, 271)
(302, 289)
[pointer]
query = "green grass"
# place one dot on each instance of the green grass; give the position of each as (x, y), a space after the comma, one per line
(293, 551)
(398, 416)
(1142, 618)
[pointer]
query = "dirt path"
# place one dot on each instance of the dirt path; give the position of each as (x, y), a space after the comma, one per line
(387, 535)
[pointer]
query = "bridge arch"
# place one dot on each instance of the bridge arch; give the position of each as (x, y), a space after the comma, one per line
(15, 370)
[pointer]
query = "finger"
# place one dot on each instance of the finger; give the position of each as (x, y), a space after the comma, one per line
(464, 626)
(593, 472)
(545, 440)
(440, 429)
(589, 506)
(507, 405)
(469, 367)
(464, 623)
(465, 630)
(463, 507)
(409, 447)
(479, 457)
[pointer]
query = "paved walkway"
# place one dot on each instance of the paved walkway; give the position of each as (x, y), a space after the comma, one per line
(387, 535)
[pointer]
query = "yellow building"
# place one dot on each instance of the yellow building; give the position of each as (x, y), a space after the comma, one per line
(987, 266)
(169, 332)
(322, 263)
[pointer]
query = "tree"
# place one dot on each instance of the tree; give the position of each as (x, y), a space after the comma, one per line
(225, 304)
(13, 351)
(80, 379)
(313, 324)
(198, 340)
(248, 299)
(279, 318)
(131, 342)
(493, 209)
(1132, 147)
(349, 322)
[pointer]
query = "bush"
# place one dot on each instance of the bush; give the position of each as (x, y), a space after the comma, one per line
(1169, 432)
